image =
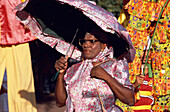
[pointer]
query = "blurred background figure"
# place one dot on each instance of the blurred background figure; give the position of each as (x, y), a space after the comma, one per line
(15, 59)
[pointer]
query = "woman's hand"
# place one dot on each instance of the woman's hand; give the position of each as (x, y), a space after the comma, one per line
(99, 72)
(61, 64)
(139, 80)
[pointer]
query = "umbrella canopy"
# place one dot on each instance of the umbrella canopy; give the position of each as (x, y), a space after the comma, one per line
(65, 16)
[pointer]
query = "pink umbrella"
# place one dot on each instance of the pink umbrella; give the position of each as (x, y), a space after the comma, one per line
(102, 18)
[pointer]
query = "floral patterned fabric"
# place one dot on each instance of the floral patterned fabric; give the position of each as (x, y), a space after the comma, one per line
(81, 90)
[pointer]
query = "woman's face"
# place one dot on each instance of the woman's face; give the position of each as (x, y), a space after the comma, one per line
(91, 46)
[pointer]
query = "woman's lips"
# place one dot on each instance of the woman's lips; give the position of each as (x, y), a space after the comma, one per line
(86, 51)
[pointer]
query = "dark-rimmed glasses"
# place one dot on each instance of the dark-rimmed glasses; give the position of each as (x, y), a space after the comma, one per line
(82, 41)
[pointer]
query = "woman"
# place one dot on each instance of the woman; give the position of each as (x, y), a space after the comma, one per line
(96, 82)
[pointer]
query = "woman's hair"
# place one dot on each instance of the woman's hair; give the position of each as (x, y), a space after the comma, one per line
(99, 34)
(115, 40)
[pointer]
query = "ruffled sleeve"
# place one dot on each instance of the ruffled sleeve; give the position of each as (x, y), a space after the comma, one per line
(119, 70)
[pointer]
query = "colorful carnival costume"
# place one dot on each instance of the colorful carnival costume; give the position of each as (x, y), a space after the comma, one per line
(144, 22)
(144, 94)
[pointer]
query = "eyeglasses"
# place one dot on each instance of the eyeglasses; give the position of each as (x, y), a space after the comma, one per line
(82, 41)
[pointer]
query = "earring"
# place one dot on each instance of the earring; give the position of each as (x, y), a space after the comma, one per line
(102, 49)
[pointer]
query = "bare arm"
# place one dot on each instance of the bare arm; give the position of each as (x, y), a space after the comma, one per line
(126, 95)
(60, 91)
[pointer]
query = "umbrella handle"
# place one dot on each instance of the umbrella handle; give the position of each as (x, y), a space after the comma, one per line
(55, 76)
(66, 56)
